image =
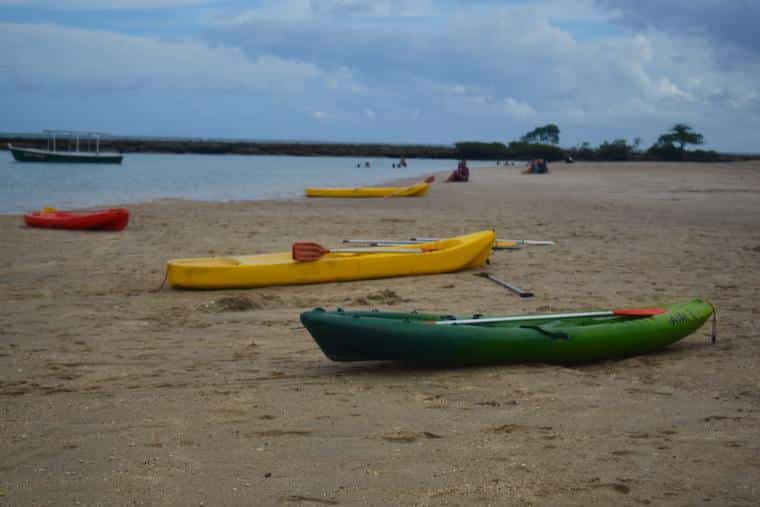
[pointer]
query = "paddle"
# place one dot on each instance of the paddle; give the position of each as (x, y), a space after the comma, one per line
(312, 251)
(622, 312)
(514, 288)
(429, 179)
(505, 245)
(514, 241)
(382, 242)
(499, 245)
(528, 241)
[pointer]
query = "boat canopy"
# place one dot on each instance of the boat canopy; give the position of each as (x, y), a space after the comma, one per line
(76, 135)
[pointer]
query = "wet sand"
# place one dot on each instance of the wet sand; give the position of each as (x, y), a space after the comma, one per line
(115, 393)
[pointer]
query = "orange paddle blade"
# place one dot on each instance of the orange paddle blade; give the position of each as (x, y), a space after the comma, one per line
(308, 251)
(638, 312)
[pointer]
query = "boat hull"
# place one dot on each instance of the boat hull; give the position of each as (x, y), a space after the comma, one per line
(417, 190)
(373, 336)
(114, 219)
(34, 155)
(447, 255)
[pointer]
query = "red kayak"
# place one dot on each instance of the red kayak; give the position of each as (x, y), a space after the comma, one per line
(114, 219)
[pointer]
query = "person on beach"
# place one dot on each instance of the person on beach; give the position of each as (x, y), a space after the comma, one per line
(536, 166)
(402, 162)
(460, 174)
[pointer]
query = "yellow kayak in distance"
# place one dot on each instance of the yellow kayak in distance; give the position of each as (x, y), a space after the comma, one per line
(417, 190)
(248, 271)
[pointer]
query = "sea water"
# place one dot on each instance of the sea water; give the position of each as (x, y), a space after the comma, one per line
(145, 177)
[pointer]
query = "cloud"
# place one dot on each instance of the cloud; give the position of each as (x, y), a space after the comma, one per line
(335, 9)
(500, 55)
(55, 59)
(65, 5)
(731, 26)
(518, 109)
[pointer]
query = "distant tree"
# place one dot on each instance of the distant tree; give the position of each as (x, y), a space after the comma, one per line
(584, 151)
(619, 149)
(680, 134)
(481, 151)
(522, 150)
(549, 133)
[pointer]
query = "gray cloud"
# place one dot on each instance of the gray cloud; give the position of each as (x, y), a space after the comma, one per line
(493, 56)
(730, 25)
(511, 64)
(102, 4)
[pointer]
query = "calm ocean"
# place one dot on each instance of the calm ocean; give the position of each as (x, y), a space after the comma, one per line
(145, 177)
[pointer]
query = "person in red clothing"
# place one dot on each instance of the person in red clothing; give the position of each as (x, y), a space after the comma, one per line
(461, 173)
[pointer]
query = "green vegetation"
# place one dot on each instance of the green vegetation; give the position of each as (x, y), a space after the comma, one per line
(549, 133)
(474, 150)
(517, 150)
(521, 150)
(680, 134)
(619, 149)
(542, 142)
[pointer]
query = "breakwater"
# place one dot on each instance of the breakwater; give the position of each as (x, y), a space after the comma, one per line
(128, 144)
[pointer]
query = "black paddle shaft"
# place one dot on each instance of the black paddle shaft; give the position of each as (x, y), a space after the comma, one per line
(517, 290)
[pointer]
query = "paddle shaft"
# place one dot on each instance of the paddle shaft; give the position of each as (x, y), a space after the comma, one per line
(414, 241)
(379, 250)
(382, 242)
(514, 288)
(308, 251)
(518, 241)
(395, 242)
(548, 316)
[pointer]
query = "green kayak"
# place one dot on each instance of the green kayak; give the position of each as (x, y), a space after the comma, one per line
(549, 338)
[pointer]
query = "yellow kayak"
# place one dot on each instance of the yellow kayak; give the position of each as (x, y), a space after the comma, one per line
(417, 190)
(451, 254)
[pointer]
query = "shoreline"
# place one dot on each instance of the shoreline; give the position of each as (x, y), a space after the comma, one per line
(396, 181)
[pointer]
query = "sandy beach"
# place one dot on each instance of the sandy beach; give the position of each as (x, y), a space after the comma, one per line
(113, 392)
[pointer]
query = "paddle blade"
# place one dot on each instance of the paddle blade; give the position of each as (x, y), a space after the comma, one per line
(638, 312)
(305, 252)
(505, 245)
(430, 179)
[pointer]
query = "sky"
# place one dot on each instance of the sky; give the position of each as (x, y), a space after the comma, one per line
(412, 71)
